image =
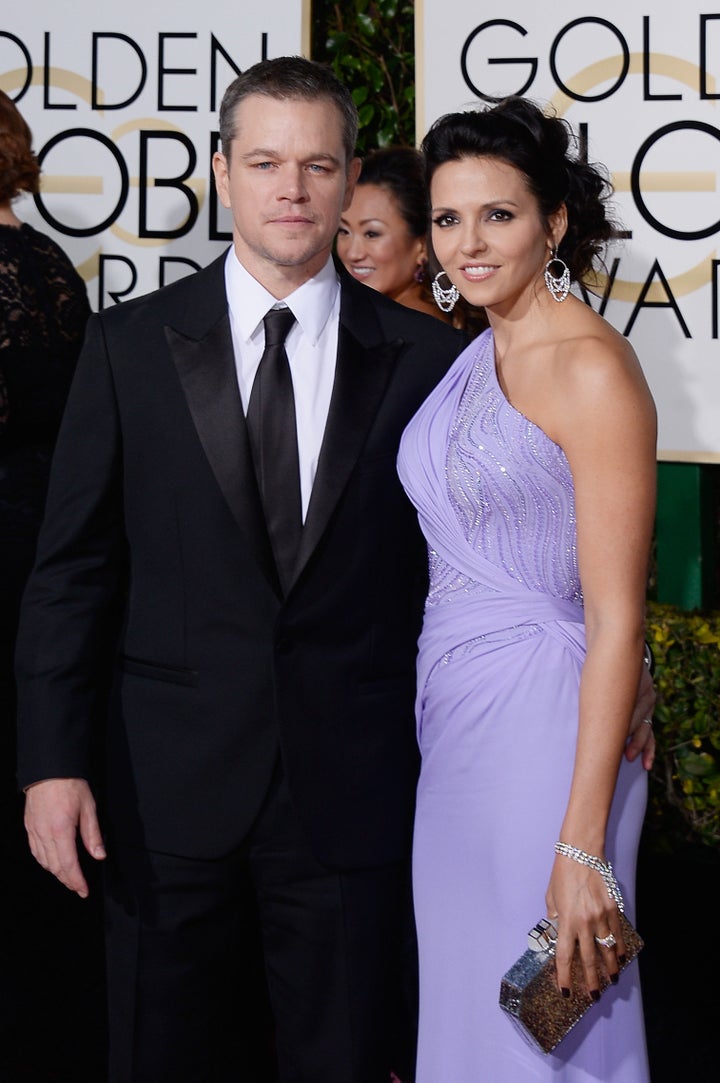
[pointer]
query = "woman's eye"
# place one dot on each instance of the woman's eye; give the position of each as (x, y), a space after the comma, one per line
(443, 220)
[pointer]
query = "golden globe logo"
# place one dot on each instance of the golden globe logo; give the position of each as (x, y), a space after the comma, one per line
(488, 60)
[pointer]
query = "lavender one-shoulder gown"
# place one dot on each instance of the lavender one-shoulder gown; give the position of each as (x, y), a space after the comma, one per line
(499, 666)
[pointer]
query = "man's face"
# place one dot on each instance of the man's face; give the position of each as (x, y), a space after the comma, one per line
(286, 184)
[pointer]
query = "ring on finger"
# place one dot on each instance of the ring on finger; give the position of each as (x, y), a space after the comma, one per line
(608, 941)
(648, 722)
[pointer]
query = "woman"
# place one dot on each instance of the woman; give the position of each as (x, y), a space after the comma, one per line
(43, 312)
(533, 469)
(381, 239)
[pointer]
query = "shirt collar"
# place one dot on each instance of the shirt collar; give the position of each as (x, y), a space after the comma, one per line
(311, 303)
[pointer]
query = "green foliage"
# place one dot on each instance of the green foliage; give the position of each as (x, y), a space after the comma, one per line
(370, 46)
(685, 780)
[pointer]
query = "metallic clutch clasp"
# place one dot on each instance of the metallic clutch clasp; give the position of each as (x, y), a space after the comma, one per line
(543, 936)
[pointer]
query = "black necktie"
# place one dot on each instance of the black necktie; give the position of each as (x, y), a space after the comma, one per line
(273, 437)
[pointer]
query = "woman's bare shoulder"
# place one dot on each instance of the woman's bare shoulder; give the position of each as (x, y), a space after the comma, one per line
(592, 353)
(599, 381)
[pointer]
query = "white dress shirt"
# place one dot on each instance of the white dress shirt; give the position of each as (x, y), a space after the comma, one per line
(311, 348)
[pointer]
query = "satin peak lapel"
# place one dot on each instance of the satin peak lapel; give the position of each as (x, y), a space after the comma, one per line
(361, 377)
(206, 368)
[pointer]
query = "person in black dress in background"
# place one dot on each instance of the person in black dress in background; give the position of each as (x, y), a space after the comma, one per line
(48, 936)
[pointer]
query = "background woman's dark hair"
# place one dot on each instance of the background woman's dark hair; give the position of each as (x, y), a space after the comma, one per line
(401, 171)
(518, 132)
(19, 169)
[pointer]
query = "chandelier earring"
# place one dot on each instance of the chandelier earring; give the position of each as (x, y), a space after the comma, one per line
(557, 277)
(445, 299)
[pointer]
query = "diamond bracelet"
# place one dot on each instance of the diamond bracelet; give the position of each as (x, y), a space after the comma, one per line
(603, 867)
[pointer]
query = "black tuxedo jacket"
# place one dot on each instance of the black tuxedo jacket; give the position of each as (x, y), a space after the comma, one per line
(154, 548)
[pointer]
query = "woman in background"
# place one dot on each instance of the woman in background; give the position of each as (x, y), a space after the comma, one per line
(532, 465)
(43, 311)
(381, 239)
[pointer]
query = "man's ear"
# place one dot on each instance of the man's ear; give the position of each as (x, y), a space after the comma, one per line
(221, 172)
(353, 172)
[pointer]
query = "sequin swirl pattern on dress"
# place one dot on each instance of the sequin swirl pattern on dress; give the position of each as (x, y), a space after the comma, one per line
(514, 523)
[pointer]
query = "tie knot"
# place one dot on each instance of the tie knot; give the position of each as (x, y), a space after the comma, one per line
(278, 322)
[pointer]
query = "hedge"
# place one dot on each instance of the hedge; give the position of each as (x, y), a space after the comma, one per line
(685, 779)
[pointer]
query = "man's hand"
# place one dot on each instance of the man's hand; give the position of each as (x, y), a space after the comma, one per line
(642, 739)
(55, 810)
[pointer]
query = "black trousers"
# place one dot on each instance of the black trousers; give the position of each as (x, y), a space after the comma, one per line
(263, 965)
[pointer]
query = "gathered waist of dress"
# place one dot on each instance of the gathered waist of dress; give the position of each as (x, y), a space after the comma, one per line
(500, 617)
(499, 609)
(474, 615)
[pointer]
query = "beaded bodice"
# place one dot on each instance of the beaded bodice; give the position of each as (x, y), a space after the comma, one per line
(511, 490)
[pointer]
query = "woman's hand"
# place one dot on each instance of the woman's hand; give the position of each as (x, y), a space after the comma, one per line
(579, 905)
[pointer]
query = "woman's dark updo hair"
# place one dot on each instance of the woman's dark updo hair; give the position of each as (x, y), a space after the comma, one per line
(19, 169)
(517, 132)
(401, 171)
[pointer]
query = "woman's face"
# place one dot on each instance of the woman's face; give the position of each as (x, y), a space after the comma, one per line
(488, 233)
(375, 243)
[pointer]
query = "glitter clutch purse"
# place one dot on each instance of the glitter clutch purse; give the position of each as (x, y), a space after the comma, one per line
(529, 992)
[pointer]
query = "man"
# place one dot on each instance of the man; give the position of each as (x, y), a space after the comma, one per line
(260, 724)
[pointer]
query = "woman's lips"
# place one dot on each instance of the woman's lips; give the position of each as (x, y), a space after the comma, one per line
(477, 272)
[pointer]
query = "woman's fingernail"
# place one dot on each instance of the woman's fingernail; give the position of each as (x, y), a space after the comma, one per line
(622, 959)
(614, 978)
(565, 992)
(595, 994)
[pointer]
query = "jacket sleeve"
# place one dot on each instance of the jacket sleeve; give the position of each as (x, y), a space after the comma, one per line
(70, 607)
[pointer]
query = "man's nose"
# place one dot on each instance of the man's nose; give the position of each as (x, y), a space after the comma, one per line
(293, 185)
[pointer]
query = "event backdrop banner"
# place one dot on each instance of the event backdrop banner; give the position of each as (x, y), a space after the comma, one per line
(122, 100)
(640, 87)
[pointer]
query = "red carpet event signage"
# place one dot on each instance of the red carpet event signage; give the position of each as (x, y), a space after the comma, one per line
(641, 88)
(122, 101)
